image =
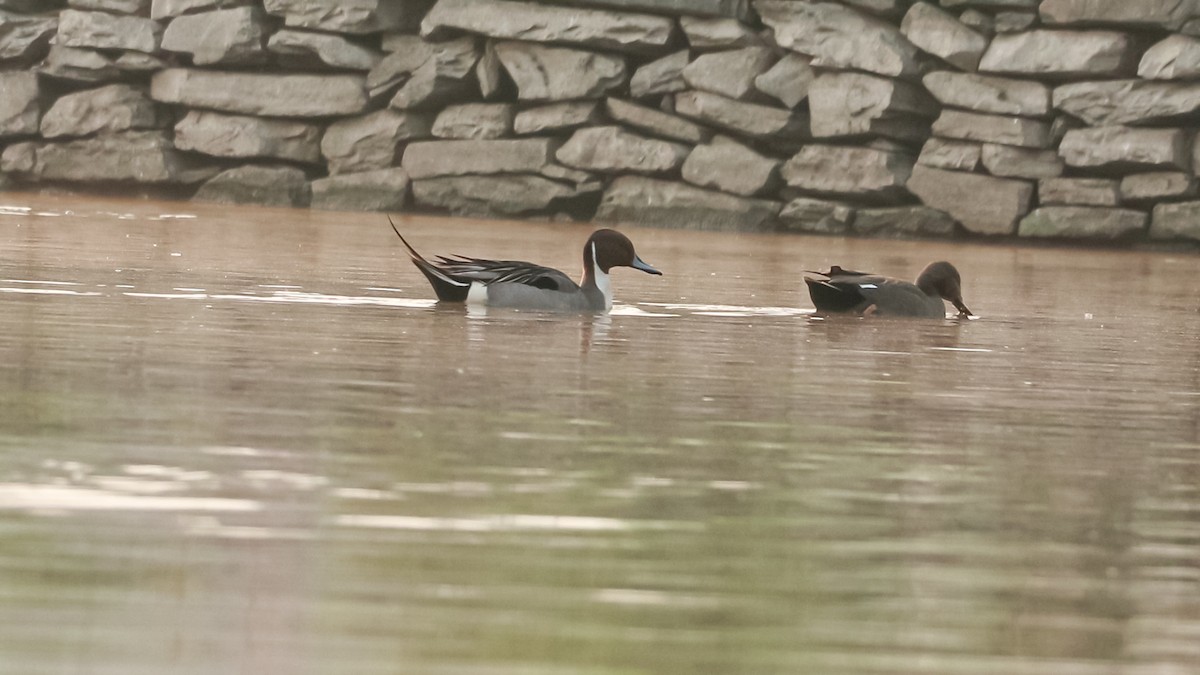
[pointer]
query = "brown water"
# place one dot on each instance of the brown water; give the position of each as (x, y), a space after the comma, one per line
(245, 441)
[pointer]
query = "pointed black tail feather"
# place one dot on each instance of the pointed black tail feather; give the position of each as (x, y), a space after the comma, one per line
(447, 288)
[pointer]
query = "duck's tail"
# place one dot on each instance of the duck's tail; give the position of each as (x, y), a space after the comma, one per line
(447, 288)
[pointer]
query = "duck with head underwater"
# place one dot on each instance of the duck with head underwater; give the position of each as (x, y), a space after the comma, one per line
(842, 291)
(521, 285)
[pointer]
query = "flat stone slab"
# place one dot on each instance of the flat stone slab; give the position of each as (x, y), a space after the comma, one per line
(1176, 221)
(166, 9)
(258, 186)
(849, 171)
(747, 119)
(967, 126)
(989, 93)
(224, 36)
(730, 73)
(20, 108)
(983, 204)
(734, 9)
(348, 16)
(496, 195)
(1126, 148)
(1169, 14)
(112, 6)
(1127, 101)
(816, 216)
(661, 76)
(941, 153)
(903, 222)
(788, 80)
(1082, 222)
(656, 122)
(840, 37)
(79, 65)
(534, 22)
(1013, 162)
(116, 107)
(242, 136)
(371, 141)
(557, 117)
(939, 33)
(428, 159)
(101, 30)
(271, 95)
(611, 149)
(857, 104)
(378, 190)
(558, 73)
(728, 166)
(444, 77)
(24, 39)
(1175, 58)
(1061, 54)
(334, 51)
(717, 33)
(124, 157)
(1156, 186)
(475, 121)
(1079, 192)
(654, 202)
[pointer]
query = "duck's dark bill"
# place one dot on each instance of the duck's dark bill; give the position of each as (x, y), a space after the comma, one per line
(639, 264)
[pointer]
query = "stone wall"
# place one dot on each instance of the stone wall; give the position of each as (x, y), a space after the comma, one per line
(998, 118)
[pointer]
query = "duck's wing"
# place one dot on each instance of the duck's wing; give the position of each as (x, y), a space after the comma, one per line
(896, 297)
(842, 290)
(490, 272)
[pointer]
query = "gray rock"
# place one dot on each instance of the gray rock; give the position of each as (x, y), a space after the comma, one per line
(267, 94)
(138, 7)
(611, 149)
(661, 76)
(24, 39)
(20, 111)
(166, 9)
(306, 49)
(444, 78)
(886, 8)
(116, 107)
(980, 22)
(1175, 58)
(411, 56)
(734, 9)
(257, 185)
(941, 153)
(1165, 13)
(503, 195)
(816, 216)
(656, 122)
(31, 6)
(223, 135)
(1126, 148)
(729, 73)
(371, 141)
(79, 65)
(728, 166)
(1082, 222)
(1191, 28)
(428, 159)
(837, 36)
(983, 204)
(101, 30)
(126, 156)
(1157, 186)
(988, 93)
(475, 121)
(511, 20)
(488, 70)
(937, 32)
(137, 62)
(1013, 162)
(559, 74)
(1176, 221)
(224, 36)
(854, 104)
(557, 117)
(1061, 53)
(1127, 101)
(378, 190)
(659, 203)
(904, 221)
(348, 16)
(966, 126)
(846, 171)
(992, 4)
(717, 33)
(1014, 22)
(788, 80)
(747, 119)
(1078, 192)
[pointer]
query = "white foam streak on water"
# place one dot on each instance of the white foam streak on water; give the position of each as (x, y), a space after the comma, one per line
(47, 291)
(22, 497)
(508, 523)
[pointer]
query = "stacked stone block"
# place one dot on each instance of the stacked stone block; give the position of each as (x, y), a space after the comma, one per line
(1032, 118)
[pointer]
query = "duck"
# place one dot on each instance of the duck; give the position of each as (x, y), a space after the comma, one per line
(517, 284)
(841, 291)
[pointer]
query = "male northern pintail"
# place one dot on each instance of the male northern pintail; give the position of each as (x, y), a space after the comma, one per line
(846, 291)
(522, 285)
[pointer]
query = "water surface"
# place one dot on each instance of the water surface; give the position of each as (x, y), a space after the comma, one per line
(247, 441)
